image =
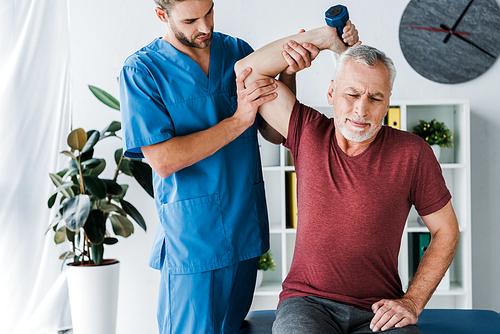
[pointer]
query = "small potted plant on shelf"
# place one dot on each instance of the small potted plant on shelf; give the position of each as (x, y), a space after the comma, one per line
(266, 262)
(86, 202)
(435, 133)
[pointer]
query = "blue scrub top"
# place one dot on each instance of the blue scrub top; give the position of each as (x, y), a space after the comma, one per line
(213, 213)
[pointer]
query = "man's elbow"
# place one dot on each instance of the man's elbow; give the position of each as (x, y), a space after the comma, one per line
(163, 172)
(457, 236)
(240, 66)
(158, 162)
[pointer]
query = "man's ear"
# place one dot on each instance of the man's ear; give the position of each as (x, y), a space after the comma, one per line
(162, 14)
(331, 92)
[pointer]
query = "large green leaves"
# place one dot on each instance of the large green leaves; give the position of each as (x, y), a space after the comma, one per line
(65, 189)
(95, 186)
(122, 226)
(60, 235)
(95, 227)
(111, 129)
(72, 168)
(118, 155)
(143, 173)
(134, 213)
(108, 208)
(124, 192)
(97, 170)
(122, 161)
(77, 139)
(52, 200)
(110, 241)
(91, 163)
(93, 138)
(97, 252)
(105, 97)
(75, 211)
(112, 187)
(58, 182)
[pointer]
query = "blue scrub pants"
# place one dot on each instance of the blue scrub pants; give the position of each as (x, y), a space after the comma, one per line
(209, 302)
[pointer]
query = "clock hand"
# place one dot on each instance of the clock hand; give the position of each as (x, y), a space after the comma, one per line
(439, 30)
(447, 38)
(467, 41)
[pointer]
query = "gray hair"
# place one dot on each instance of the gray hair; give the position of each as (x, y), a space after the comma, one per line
(367, 55)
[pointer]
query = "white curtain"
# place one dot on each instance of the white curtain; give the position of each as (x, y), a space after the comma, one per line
(34, 121)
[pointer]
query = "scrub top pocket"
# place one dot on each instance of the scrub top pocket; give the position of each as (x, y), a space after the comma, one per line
(194, 234)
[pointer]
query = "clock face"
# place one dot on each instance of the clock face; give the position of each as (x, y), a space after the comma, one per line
(450, 41)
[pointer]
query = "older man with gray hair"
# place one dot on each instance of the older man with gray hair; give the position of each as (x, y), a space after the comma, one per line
(356, 183)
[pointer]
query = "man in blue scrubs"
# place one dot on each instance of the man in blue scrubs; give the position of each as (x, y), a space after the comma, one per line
(183, 112)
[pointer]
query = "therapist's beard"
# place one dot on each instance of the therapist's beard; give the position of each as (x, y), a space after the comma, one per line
(192, 43)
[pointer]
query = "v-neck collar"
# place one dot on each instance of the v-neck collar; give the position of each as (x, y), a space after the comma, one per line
(365, 151)
(189, 65)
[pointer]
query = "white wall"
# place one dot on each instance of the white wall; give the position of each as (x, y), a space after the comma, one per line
(104, 33)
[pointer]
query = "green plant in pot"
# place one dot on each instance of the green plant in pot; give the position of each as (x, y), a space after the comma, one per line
(266, 262)
(434, 133)
(87, 201)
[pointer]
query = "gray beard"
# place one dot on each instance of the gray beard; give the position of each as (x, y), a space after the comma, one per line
(353, 135)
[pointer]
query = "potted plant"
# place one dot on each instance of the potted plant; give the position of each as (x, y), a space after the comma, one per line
(86, 202)
(435, 133)
(265, 263)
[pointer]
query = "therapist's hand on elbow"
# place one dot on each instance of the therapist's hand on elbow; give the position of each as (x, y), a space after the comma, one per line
(250, 98)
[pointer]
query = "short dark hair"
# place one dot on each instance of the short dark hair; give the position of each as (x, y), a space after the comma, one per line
(167, 4)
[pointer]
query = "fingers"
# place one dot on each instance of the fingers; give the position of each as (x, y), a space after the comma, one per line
(350, 34)
(240, 80)
(253, 96)
(260, 88)
(289, 60)
(256, 93)
(377, 305)
(299, 57)
(391, 313)
(298, 53)
(312, 49)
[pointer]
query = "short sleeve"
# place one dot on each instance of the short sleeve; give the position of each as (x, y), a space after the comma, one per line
(145, 119)
(300, 117)
(429, 192)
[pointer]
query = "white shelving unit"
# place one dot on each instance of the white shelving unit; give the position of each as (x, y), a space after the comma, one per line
(455, 163)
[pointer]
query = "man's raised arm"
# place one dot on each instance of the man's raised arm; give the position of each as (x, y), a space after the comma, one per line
(269, 61)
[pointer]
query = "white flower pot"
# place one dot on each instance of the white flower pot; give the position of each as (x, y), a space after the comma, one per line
(437, 150)
(93, 297)
(260, 275)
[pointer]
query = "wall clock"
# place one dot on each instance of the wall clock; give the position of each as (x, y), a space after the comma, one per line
(450, 41)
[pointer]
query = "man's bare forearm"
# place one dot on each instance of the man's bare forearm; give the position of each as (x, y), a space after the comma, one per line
(268, 60)
(180, 152)
(436, 260)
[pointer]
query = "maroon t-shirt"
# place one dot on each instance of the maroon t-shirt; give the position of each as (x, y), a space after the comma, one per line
(352, 210)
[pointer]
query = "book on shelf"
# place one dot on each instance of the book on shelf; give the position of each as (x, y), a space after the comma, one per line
(291, 199)
(393, 118)
(417, 245)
